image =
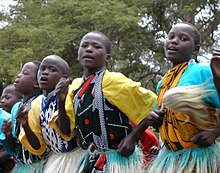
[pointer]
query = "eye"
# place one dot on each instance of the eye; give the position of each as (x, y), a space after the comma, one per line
(42, 68)
(25, 72)
(83, 45)
(7, 97)
(170, 37)
(183, 39)
(52, 69)
(97, 46)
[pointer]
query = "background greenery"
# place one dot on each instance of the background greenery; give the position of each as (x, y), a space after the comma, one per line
(136, 28)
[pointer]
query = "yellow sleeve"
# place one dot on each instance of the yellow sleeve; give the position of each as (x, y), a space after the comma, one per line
(35, 126)
(128, 96)
(69, 107)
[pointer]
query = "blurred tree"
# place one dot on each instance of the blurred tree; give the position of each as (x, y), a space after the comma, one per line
(136, 28)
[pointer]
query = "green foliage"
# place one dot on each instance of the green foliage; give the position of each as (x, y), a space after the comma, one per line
(136, 28)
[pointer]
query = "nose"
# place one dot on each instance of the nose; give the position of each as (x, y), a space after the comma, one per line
(174, 40)
(19, 75)
(89, 48)
(2, 101)
(45, 72)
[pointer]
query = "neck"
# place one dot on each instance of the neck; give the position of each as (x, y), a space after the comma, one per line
(88, 73)
(27, 97)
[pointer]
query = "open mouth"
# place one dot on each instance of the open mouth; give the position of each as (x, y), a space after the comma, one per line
(87, 57)
(43, 80)
(16, 82)
(171, 48)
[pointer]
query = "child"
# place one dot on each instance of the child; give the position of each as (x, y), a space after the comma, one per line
(38, 134)
(6, 162)
(10, 97)
(25, 83)
(99, 107)
(189, 146)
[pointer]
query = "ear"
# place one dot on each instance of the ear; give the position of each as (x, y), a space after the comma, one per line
(196, 50)
(108, 57)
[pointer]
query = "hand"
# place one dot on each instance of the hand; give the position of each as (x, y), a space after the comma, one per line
(22, 115)
(215, 63)
(127, 146)
(205, 138)
(155, 118)
(7, 127)
(62, 88)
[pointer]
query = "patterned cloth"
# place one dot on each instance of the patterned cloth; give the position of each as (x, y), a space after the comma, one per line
(182, 155)
(54, 141)
(99, 111)
(176, 132)
(97, 120)
(22, 155)
(39, 118)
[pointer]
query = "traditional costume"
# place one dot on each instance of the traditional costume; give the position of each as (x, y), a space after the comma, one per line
(39, 117)
(181, 154)
(99, 108)
(25, 161)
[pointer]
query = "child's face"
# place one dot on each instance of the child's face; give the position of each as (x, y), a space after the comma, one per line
(26, 80)
(49, 74)
(9, 98)
(92, 52)
(179, 46)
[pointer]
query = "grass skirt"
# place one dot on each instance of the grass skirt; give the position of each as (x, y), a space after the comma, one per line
(37, 167)
(63, 162)
(116, 163)
(199, 160)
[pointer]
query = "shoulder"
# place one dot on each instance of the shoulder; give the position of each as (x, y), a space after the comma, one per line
(116, 78)
(196, 73)
(75, 85)
(199, 67)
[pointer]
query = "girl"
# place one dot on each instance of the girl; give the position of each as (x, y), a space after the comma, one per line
(188, 136)
(104, 102)
(25, 83)
(38, 134)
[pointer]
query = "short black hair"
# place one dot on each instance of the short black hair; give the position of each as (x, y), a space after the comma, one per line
(64, 66)
(107, 42)
(196, 33)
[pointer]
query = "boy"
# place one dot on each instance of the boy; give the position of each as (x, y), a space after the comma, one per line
(38, 134)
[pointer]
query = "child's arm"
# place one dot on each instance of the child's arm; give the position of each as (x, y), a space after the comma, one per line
(7, 130)
(127, 145)
(62, 121)
(208, 137)
(215, 66)
(22, 117)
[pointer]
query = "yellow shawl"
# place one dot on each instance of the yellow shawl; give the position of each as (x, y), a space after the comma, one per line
(176, 132)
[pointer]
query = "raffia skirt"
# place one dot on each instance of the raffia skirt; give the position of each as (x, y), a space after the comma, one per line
(198, 160)
(37, 167)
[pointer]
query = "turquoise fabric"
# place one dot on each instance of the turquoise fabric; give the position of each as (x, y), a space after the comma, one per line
(196, 74)
(195, 159)
(3, 116)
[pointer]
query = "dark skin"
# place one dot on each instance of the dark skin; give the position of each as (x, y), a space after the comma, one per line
(93, 56)
(53, 71)
(206, 138)
(25, 83)
(9, 98)
(179, 47)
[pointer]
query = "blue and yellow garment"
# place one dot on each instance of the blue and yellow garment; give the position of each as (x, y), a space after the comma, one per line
(181, 154)
(39, 118)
